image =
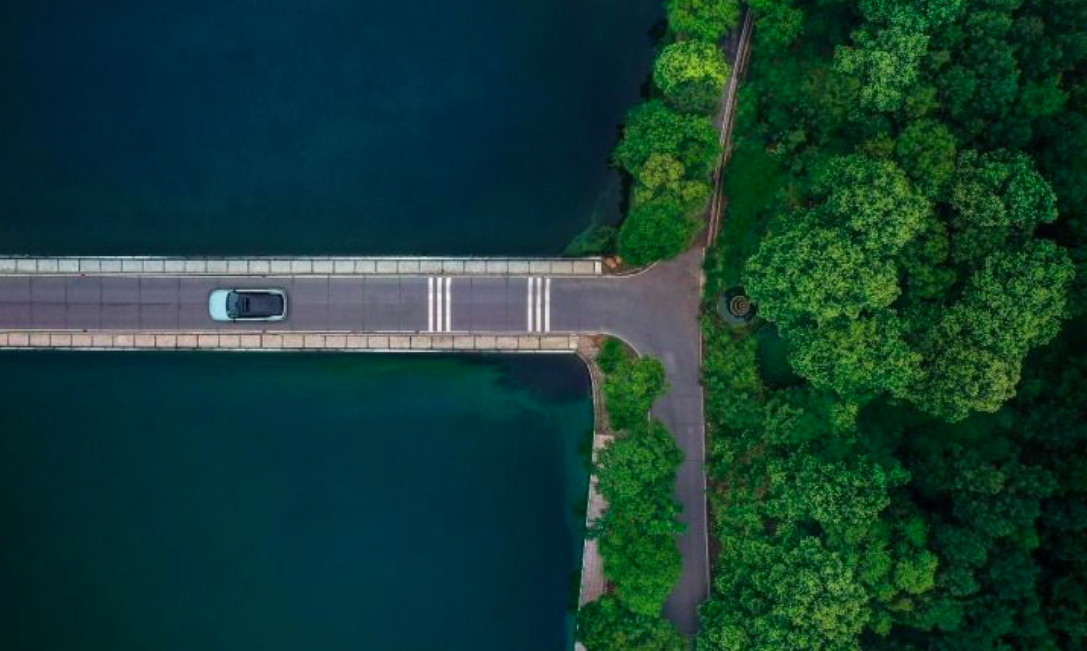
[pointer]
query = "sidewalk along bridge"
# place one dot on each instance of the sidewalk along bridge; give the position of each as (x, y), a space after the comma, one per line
(390, 304)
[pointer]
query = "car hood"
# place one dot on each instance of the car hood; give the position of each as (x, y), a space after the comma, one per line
(217, 304)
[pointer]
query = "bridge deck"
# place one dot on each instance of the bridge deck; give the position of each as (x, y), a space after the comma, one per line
(363, 304)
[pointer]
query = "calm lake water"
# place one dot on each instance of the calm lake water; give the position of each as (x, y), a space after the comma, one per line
(338, 126)
(286, 502)
(283, 502)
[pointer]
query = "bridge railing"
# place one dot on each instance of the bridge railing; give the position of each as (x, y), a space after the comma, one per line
(298, 266)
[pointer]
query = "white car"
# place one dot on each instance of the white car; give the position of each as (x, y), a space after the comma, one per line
(248, 305)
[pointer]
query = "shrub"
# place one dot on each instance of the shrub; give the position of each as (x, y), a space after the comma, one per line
(691, 75)
(611, 356)
(655, 230)
(706, 20)
(631, 390)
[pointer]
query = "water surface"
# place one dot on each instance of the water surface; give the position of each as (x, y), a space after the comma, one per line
(284, 502)
(339, 126)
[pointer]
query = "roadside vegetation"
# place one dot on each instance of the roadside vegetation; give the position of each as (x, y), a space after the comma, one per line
(898, 452)
(636, 475)
(669, 145)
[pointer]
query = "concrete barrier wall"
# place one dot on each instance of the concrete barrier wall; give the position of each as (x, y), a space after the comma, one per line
(149, 340)
(300, 266)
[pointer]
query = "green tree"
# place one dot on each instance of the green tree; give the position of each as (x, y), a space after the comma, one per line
(663, 176)
(612, 355)
(801, 599)
(982, 105)
(604, 625)
(637, 472)
(636, 475)
(842, 497)
(917, 15)
(779, 23)
(926, 151)
(653, 128)
(856, 358)
(657, 229)
(631, 390)
(1012, 304)
(874, 199)
(815, 272)
(691, 75)
(705, 20)
(1001, 190)
(886, 62)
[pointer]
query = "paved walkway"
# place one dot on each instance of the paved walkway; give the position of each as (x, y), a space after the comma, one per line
(656, 311)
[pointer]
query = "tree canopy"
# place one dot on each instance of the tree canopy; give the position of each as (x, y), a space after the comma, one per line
(907, 200)
(706, 20)
(691, 75)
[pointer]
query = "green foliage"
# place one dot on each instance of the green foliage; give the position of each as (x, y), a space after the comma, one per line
(856, 358)
(631, 390)
(605, 625)
(829, 277)
(835, 262)
(653, 128)
(669, 155)
(752, 179)
(663, 177)
(612, 355)
(815, 272)
(641, 561)
(917, 250)
(706, 20)
(691, 75)
(636, 475)
(1002, 190)
(911, 14)
(731, 380)
(842, 498)
(798, 599)
(886, 63)
(998, 199)
(655, 230)
(1012, 304)
(874, 199)
(670, 145)
(926, 151)
(778, 21)
(643, 567)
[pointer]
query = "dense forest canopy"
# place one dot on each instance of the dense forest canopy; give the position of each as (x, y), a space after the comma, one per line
(898, 444)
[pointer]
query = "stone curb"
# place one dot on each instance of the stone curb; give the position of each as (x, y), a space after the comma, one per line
(301, 266)
(292, 341)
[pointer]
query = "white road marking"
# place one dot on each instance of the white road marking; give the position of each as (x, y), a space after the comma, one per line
(448, 304)
(529, 305)
(539, 304)
(439, 295)
(430, 304)
(547, 305)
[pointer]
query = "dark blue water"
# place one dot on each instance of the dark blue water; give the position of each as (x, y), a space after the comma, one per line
(284, 502)
(331, 126)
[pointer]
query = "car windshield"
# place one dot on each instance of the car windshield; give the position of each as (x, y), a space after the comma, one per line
(232, 305)
(254, 305)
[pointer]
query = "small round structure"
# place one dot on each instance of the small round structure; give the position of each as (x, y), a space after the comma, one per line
(735, 307)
